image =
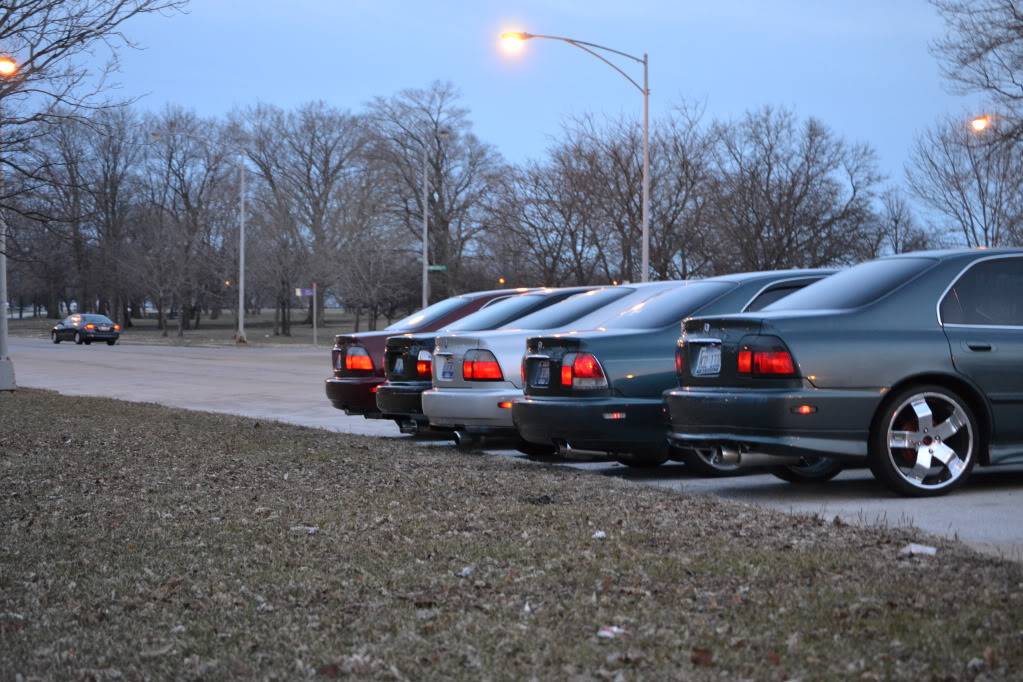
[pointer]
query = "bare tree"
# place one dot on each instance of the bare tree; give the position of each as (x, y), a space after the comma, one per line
(975, 186)
(788, 194)
(54, 42)
(463, 174)
(982, 51)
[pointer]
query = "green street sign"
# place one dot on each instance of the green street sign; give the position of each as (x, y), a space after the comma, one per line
(437, 268)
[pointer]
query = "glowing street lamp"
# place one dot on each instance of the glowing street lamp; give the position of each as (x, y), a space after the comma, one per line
(8, 66)
(513, 41)
(8, 70)
(982, 123)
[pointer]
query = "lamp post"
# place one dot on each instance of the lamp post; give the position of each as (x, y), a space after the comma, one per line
(8, 69)
(240, 334)
(442, 134)
(513, 41)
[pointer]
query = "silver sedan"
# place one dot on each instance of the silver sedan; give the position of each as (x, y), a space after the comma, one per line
(477, 375)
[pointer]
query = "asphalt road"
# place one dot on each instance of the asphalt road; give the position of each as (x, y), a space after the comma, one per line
(286, 383)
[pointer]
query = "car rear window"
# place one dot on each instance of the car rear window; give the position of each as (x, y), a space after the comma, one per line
(571, 309)
(427, 315)
(667, 307)
(499, 313)
(97, 319)
(855, 287)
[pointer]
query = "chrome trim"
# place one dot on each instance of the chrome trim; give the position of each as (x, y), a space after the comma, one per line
(776, 283)
(937, 308)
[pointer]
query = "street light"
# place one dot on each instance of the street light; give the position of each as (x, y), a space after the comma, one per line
(513, 42)
(442, 134)
(240, 336)
(980, 124)
(8, 70)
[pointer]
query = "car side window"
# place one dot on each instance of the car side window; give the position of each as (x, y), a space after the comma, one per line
(988, 294)
(768, 297)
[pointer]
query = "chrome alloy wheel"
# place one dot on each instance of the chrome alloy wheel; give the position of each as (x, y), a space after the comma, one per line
(930, 441)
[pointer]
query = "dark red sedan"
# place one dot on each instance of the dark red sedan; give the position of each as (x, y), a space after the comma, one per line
(358, 359)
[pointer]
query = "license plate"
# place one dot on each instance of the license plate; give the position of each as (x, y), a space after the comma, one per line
(708, 362)
(447, 371)
(543, 373)
(104, 329)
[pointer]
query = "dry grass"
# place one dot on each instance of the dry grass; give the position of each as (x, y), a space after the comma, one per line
(142, 542)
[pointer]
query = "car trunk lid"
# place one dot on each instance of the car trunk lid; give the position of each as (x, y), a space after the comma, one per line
(402, 354)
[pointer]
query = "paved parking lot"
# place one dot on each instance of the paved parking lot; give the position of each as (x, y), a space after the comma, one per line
(286, 383)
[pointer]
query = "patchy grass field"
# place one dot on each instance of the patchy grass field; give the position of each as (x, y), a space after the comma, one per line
(221, 331)
(143, 542)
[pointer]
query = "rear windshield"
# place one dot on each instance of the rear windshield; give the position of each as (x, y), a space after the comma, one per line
(855, 287)
(428, 315)
(571, 309)
(497, 314)
(668, 307)
(97, 319)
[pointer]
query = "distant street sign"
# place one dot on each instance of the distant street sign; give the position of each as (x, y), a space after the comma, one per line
(437, 268)
(303, 292)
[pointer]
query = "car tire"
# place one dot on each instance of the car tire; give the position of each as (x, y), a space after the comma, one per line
(939, 437)
(538, 452)
(88, 342)
(111, 342)
(643, 460)
(54, 337)
(816, 471)
(78, 339)
(702, 461)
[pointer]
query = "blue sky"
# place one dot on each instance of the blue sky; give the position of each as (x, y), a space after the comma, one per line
(861, 66)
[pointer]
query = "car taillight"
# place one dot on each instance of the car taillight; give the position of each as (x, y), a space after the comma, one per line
(767, 356)
(581, 370)
(357, 359)
(424, 363)
(680, 359)
(117, 327)
(90, 326)
(481, 365)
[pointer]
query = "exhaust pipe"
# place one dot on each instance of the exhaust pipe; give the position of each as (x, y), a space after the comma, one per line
(408, 426)
(729, 454)
(563, 449)
(464, 439)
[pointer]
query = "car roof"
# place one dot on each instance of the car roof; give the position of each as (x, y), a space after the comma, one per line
(964, 253)
(743, 277)
(470, 295)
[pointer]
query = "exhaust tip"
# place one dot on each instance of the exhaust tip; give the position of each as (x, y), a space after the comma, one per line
(728, 454)
(464, 439)
(563, 449)
(408, 426)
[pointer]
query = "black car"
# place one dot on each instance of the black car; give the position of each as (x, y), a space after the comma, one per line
(86, 328)
(600, 390)
(912, 364)
(408, 358)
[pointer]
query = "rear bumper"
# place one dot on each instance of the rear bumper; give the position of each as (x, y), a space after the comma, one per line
(765, 421)
(354, 395)
(100, 336)
(475, 410)
(594, 424)
(402, 401)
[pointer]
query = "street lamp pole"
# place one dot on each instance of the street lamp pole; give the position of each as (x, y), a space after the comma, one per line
(514, 38)
(241, 253)
(442, 134)
(426, 227)
(8, 69)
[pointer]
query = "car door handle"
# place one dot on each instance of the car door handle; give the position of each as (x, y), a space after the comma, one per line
(980, 346)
